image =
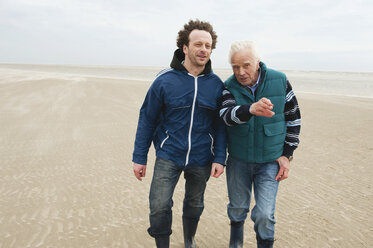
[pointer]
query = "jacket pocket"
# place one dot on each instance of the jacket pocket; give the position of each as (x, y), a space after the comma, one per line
(207, 104)
(274, 129)
(211, 108)
(274, 135)
(205, 114)
(239, 130)
(179, 102)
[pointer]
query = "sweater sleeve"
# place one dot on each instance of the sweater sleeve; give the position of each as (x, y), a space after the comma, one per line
(293, 122)
(148, 118)
(231, 113)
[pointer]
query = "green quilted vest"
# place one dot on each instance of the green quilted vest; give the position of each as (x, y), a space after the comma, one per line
(261, 139)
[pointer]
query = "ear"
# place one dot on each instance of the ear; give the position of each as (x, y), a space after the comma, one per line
(258, 65)
(185, 49)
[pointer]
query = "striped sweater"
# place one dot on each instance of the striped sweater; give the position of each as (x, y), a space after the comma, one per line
(234, 114)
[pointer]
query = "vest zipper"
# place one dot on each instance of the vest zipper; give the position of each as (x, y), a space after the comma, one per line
(254, 146)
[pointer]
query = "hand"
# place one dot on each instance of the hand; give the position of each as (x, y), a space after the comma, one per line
(139, 171)
(216, 170)
(284, 164)
(262, 107)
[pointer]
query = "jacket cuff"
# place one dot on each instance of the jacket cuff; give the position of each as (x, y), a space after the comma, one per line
(139, 159)
(243, 112)
(220, 160)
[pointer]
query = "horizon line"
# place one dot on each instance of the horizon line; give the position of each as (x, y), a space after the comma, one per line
(153, 66)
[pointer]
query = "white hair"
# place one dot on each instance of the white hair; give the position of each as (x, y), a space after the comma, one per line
(241, 45)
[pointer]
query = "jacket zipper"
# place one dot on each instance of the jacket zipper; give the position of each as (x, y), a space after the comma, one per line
(165, 139)
(191, 119)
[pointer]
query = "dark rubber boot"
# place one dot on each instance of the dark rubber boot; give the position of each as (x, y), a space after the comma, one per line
(236, 240)
(190, 228)
(162, 241)
(268, 243)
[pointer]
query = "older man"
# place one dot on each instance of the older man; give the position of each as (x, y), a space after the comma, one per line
(263, 119)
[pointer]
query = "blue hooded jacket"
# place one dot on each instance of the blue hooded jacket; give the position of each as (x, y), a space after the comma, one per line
(180, 116)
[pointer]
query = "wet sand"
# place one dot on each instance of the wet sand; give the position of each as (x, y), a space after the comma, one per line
(67, 181)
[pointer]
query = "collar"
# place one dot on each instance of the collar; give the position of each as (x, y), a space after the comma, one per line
(253, 88)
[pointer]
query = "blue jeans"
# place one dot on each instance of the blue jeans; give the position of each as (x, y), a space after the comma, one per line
(165, 177)
(241, 178)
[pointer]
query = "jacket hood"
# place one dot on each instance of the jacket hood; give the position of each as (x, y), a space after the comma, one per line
(179, 57)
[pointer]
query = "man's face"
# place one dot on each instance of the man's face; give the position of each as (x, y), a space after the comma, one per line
(245, 67)
(199, 49)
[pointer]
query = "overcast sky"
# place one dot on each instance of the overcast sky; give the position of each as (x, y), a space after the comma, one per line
(335, 35)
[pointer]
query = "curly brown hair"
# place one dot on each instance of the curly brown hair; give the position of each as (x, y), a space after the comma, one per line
(183, 35)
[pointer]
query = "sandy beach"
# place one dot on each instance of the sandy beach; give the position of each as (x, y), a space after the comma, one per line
(66, 143)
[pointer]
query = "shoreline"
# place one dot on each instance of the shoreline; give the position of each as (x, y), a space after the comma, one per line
(331, 95)
(167, 66)
(302, 82)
